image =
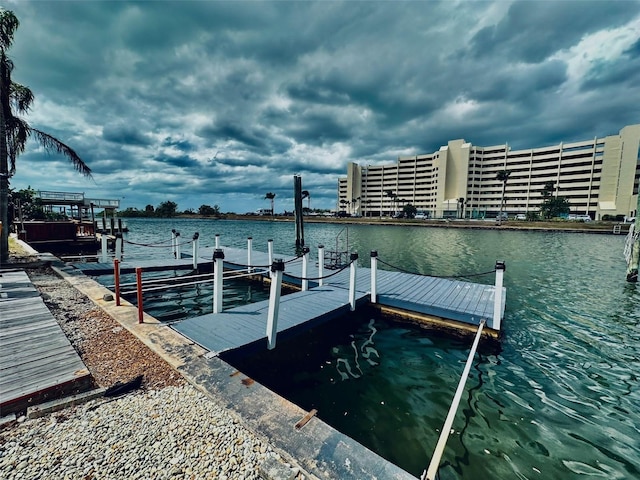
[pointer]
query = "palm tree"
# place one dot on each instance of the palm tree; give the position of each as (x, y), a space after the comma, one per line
(270, 196)
(307, 195)
(502, 176)
(14, 131)
(392, 196)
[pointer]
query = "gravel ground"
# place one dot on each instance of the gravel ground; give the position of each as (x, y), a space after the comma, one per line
(167, 429)
(110, 352)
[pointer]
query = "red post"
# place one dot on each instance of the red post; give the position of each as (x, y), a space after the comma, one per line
(139, 285)
(116, 275)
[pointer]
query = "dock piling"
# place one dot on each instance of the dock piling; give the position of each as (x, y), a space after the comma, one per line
(119, 246)
(178, 253)
(249, 247)
(139, 293)
(277, 269)
(116, 279)
(104, 255)
(352, 280)
(320, 264)
(374, 276)
(196, 244)
(497, 303)
(270, 253)
(217, 241)
(218, 269)
(305, 268)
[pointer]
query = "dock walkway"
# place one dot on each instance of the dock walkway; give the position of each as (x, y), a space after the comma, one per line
(407, 294)
(37, 362)
(246, 325)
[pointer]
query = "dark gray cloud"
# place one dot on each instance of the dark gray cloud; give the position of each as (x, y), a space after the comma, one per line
(532, 31)
(221, 102)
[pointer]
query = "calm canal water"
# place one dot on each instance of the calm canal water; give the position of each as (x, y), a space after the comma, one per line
(560, 400)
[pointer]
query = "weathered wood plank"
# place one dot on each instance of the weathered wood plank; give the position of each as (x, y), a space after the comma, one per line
(36, 358)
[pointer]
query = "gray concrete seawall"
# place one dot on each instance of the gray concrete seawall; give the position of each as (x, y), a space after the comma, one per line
(318, 448)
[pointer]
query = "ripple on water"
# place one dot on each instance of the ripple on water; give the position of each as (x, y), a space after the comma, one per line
(563, 386)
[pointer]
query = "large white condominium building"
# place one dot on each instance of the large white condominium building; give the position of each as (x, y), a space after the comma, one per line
(599, 177)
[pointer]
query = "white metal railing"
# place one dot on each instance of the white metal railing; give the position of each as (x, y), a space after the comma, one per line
(63, 196)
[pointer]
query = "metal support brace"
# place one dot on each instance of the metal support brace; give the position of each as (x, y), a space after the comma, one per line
(277, 269)
(431, 472)
(497, 297)
(374, 276)
(352, 280)
(218, 269)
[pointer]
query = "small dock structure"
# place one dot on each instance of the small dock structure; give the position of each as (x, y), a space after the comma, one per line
(446, 303)
(37, 361)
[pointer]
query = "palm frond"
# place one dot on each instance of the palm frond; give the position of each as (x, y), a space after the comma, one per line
(17, 135)
(21, 97)
(53, 144)
(8, 25)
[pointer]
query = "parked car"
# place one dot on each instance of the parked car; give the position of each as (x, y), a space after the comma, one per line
(521, 216)
(502, 216)
(579, 218)
(421, 216)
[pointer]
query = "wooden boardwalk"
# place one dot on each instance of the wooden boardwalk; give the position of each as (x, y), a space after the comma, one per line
(37, 362)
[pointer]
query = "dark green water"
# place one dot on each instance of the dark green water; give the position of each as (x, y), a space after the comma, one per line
(559, 400)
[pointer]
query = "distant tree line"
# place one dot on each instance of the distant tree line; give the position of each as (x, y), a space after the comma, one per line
(169, 209)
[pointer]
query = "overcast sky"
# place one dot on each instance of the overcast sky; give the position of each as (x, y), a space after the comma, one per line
(222, 102)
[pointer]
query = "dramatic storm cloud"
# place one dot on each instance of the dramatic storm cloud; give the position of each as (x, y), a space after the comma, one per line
(221, 102)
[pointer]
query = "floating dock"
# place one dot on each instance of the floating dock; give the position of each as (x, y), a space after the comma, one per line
(449, 304)
(37, 362)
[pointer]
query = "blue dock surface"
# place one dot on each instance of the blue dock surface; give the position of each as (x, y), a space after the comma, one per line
(418, 295)
(245, 325)
(37, 362)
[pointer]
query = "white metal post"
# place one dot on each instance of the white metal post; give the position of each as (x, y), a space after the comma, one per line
(119, 247)
(104, 256)
(497, 297)
(352, 281)
(196, 242)
(374, 276)
(277, 268)
(320, 264)
(218, 269)
(178, 254)
(305, 268)
(217, 241)
(270, 253)
(249, 247)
